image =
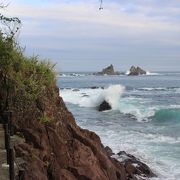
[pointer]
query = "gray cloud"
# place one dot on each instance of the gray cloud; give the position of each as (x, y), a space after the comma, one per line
(124, 33)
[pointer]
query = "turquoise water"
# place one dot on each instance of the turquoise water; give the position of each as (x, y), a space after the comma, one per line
(144, 121)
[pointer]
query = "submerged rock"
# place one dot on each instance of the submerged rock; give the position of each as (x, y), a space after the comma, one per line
(135, 71)
(104, 106)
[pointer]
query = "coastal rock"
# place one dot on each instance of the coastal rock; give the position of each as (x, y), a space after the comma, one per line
(135, 71)
(134, 166)
(55, 147)
(108, 71)
(109, 151)
(104, 106)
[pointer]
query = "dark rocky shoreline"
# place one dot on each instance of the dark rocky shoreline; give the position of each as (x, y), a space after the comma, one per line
(133, 166)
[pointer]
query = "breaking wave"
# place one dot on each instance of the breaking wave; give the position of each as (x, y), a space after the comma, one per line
(167, 115)
(135, 107)
(93, 97)
(148, 73)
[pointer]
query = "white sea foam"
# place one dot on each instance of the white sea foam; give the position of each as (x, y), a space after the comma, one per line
(148, 73)
(72, 74)
(112, 95)
(175, 106)
(159, 138)
(82, 97)
(93, 97)
(137, 108)
(153, 89)
(175, 89)
(127, 72)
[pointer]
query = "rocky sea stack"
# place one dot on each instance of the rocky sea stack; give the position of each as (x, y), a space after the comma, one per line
(108, 71)
(135, 71)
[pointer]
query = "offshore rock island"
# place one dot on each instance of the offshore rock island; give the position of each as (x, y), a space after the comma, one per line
(133, 71)
(108, 71)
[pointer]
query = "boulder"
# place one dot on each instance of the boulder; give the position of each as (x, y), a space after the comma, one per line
(135, 71)
(104, 106)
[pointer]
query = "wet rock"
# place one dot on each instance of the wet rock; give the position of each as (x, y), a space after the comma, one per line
(104, 106)
(109, 151)
(135, 71)
(134, 166)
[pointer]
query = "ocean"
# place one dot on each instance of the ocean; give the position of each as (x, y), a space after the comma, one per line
(144, 120)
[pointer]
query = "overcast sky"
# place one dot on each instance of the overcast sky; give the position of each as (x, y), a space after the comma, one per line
(78, 37)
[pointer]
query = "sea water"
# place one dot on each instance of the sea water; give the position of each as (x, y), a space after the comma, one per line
(144, 120)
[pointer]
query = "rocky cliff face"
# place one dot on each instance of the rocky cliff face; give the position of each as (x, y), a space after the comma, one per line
(55, 148)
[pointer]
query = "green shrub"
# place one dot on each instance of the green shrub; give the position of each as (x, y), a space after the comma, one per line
(44, 119)
(28, 78)
(27, 75)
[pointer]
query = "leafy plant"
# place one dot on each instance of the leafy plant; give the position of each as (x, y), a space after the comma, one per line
(45, 119)
(28, 76)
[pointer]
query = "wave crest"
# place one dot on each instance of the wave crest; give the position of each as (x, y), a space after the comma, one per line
(138, 108)
(167, 115)
(94, 97)
(112, 95)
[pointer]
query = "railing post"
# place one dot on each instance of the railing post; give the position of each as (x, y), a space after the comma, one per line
(11, 164)
(11, 129)
(7, 141)
(21, 174)
(8, 131)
